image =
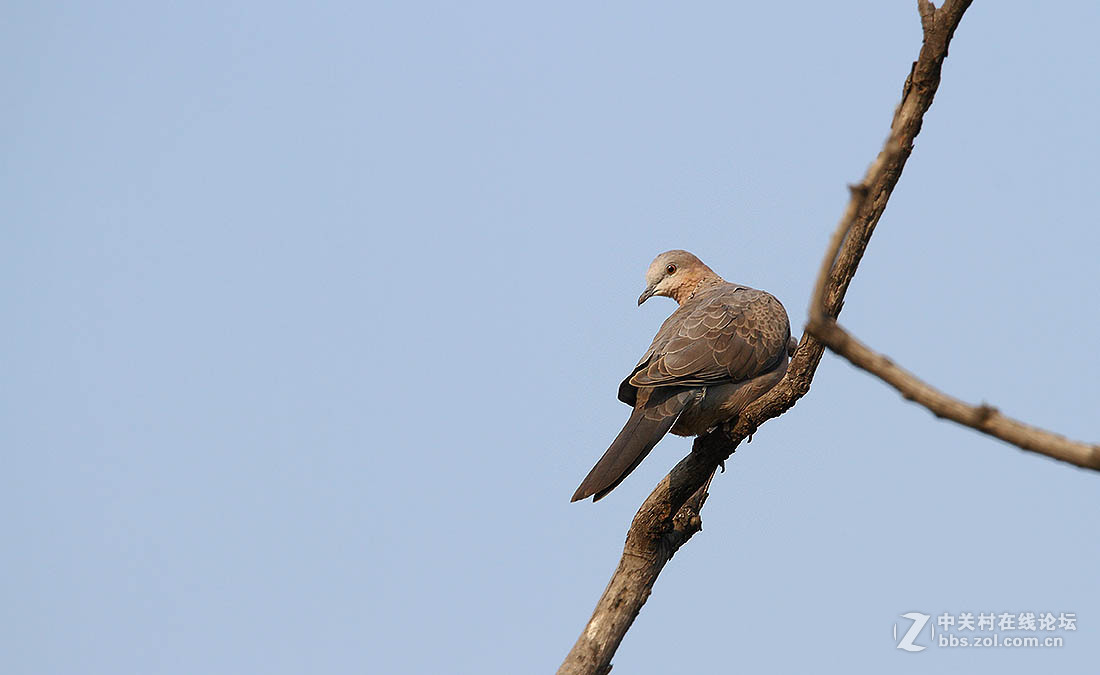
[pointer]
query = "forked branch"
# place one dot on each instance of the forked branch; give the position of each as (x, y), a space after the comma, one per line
(984, 418)
(670, 515)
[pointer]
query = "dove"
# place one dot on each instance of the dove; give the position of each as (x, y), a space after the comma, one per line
(721, 349)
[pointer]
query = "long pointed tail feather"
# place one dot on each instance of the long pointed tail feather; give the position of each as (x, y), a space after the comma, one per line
(649, 422)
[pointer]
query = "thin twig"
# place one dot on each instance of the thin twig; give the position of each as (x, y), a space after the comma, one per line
(984, 417)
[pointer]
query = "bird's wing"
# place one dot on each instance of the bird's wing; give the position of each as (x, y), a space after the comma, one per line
(730, 334)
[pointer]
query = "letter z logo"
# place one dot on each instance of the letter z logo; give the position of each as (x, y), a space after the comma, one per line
(919, 620)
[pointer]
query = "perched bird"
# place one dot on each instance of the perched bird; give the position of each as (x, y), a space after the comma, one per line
(720, 350)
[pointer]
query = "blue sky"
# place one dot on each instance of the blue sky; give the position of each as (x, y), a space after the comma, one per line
(316, 314)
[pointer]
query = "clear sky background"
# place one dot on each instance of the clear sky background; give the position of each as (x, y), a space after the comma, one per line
(315, 315)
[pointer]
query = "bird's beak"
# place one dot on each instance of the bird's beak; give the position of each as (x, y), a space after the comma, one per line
(646, 295)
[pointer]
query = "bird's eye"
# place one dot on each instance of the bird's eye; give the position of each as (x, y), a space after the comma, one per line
(671, 269)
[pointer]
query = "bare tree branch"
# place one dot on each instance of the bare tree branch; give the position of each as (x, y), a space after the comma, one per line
(670, 515)
(823, 326)
(984, 418)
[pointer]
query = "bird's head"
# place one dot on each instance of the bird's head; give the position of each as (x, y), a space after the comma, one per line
(675, 274)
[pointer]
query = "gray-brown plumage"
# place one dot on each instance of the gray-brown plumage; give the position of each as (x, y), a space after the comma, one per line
(720, 350)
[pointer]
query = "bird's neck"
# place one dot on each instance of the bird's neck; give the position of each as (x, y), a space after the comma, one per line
(690, 289)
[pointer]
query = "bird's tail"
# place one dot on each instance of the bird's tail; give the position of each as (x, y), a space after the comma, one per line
(649, 422)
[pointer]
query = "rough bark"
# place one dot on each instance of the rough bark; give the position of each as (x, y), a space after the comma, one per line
(670, 515)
